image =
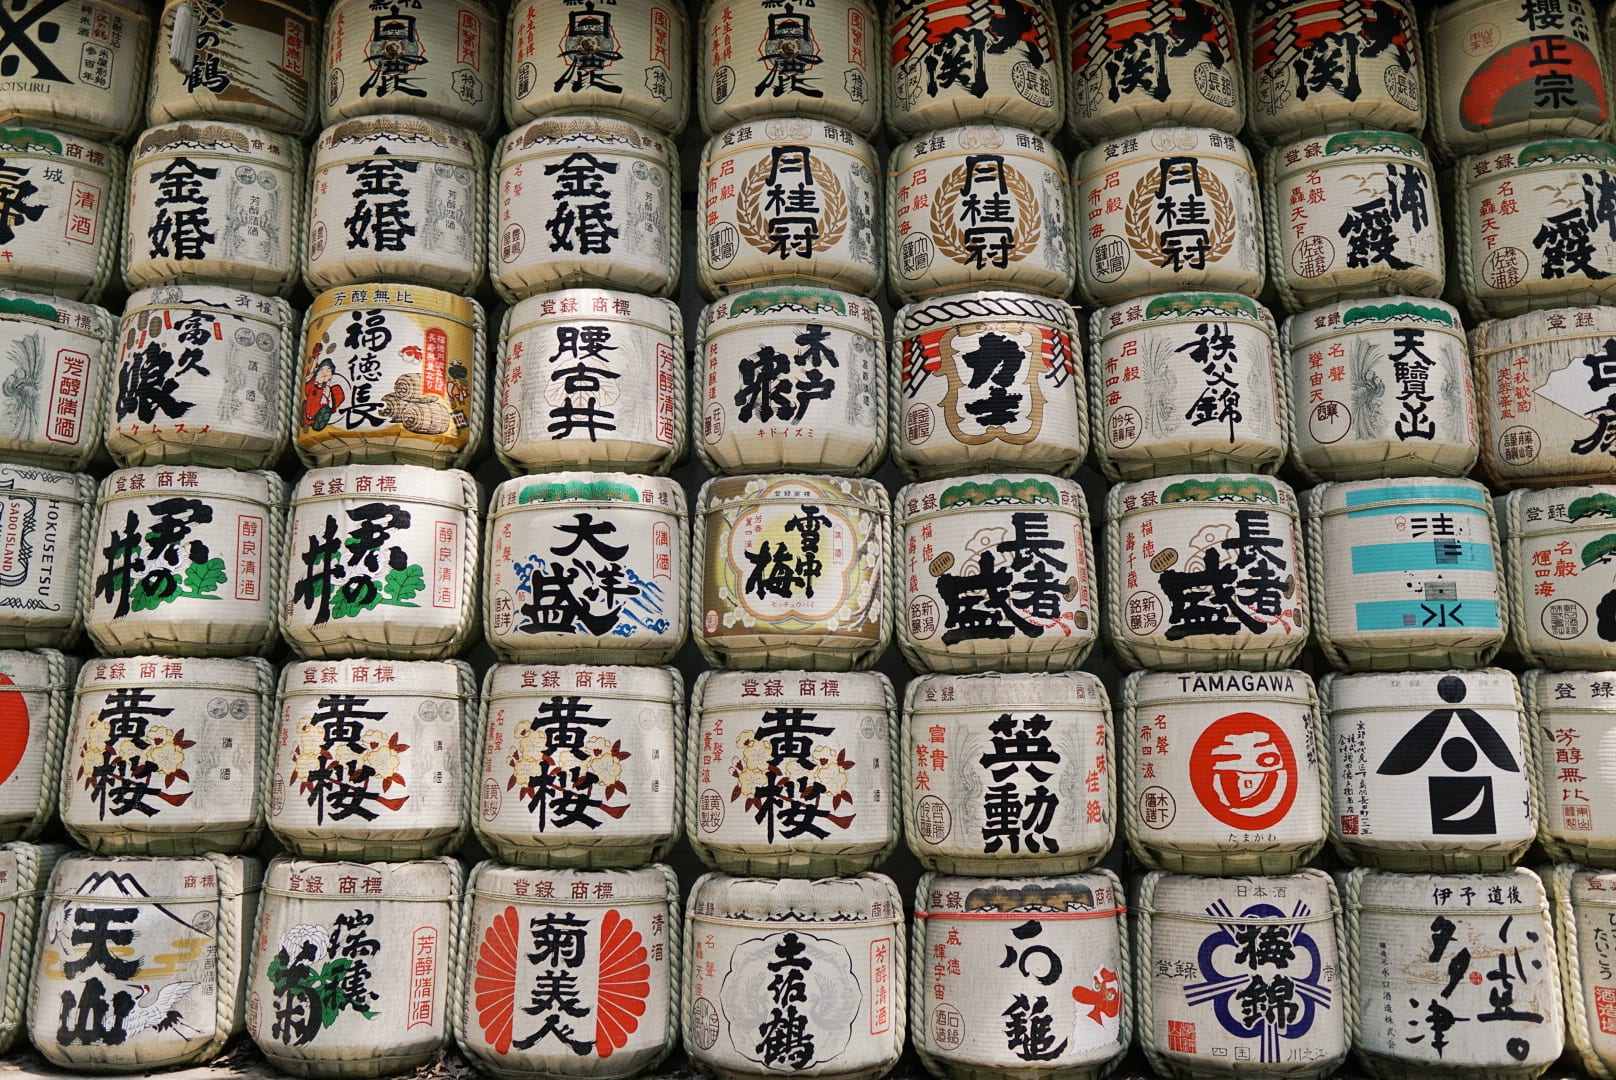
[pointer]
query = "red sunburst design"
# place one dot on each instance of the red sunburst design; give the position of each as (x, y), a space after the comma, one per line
(495, 982)
(625, 984)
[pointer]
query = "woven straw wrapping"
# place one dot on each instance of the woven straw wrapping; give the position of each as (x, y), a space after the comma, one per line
(1373, 448)
(218, 815)
(379, 633)
(32, 865)
(358, 449)
(770, 906)
(414, 266)
(221, 144)
(213, 441)
(519, 284)
(398, 836)
(802, 856)
(646, 456)
(1363, 1001)
(382, 1045)
(847, 444)
(1169, 443)
(1229, 854)
(233, 905)
(1450, 95)
(587, 848)
(1078, 968)
(916, 103)
(471, 995)
(1043, 259)
(1565, 717)
(1333, 570)
(819, 648)
(747, 21)
(50, 723)
(1368, 102)
(1401, 836)
(956, 530)
(439, 40)
(194, 629)
(1092, 114)
(35, 328)
(1046, 447)
(169, 97)
(1199, 652)
(1145, 915)
(977, 698)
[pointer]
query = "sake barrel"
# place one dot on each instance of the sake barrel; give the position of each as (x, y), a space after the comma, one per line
(1380, 388)
(791, 773)
(37, 697)
(80, 64)
(1572, 716)
(1008, 774)
(393, 374)
(1214, 398)
(1352, 215)
(46, 555)
(24, 871)
(1170, 209)
(1543, 387)
(353, 964)
(632, 60)
(168, 755)
(793, 571)
(608, 940)
(592, 377)
(1504, 70)
(1518, 246)
(1334, 66)
(204, 377)
(63, 235)
(794, 377)
(1026, 409)
(1137, 66)
(1562, 611)
(187, 561)
(1581, 901)
(384, 563)
(1405, 573)
(789, 201)
(1401, 803)
(237, 60)
(798, 975)
(996, 571)
(438, 60)
(397, 198)
(215, 203)
(965, 64)
(57, 361)
(1062, 937)
(371, 758)
(1223, 772)
(1204, 572)
(825, 61)
(1429, 952)
(601, 198)
(141, 962)
(578, 764)
(587, 565)
(984, 206)
(1242, 975)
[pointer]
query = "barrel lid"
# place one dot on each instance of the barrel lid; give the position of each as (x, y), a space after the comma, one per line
(1417, 895)
(1126, 317)
(1185, 897)
(1211, 490)
(141, 880)
(555, 133)
(213, 297)
(731, 492)
(1539, 153)
(413, 483)
(572, 888)
(1560, 511)
(1419, 691)
(1368, 498)
(398, 131)
(90, 320)
(36, 670)
(606, 305)
(864, 900)
(176, 672)
(652, 492)
(728, 691)
(980, 305)
(616, 682)
(1180, 687)
(200, 481)
(46, 483)
(975, 138)
(791, 304)
(987, 491)
(1096, 894)
(1149, 146)
(33, 140)
(219, 136)
(425, 881)
(798, 130)
(413, 678)
(1305, 155)
(1544, 326)
(1331, 320)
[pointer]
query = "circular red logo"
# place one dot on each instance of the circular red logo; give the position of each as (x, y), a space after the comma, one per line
(1244, 771)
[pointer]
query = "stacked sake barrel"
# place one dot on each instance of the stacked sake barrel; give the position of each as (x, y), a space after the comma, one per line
(1019, 956)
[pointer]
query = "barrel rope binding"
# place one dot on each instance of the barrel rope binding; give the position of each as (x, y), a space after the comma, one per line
(674, 950)
(466, 712)
(482, 205)
(681, 381)
(288, 361)
(463, 922)
(26, 858)
(690, 766)
(471, 790)
(229, 897)
(1143, 963)
(906, 776)
(1514, 580)
(1268, 212)
(61, 674)
(478, 421)
(1128, 723)
(300, 193)
(459, 937)
(89, 514)
(265, 680)
(1312, 504)
(110, 250)
(496, 167)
